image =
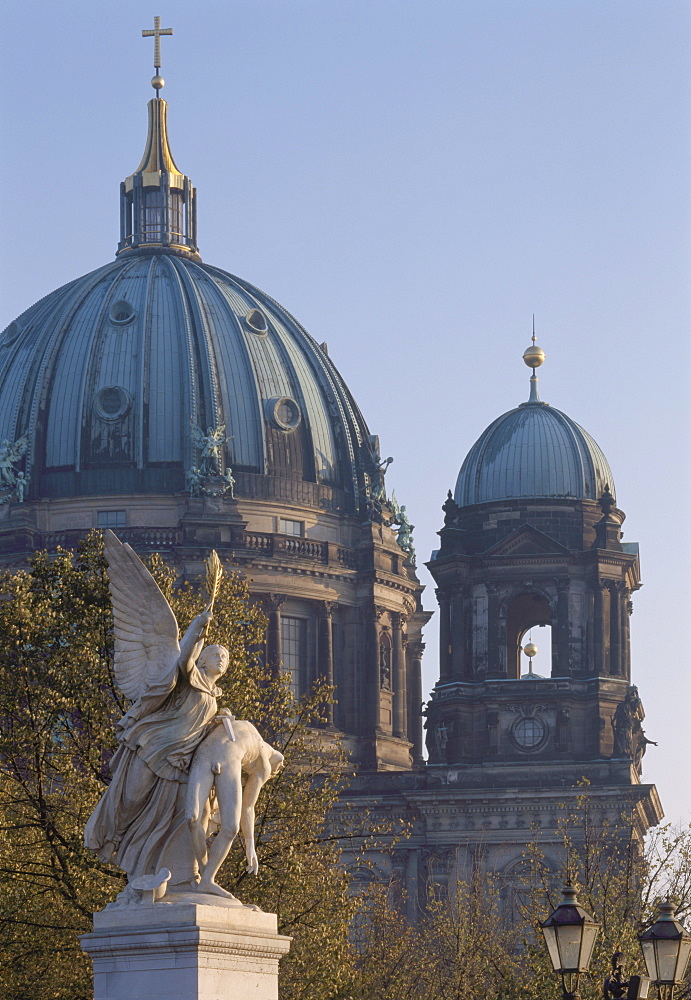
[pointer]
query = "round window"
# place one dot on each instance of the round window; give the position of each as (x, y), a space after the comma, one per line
(112, 402)
(256, 321)
(529, 734)
(283, 413)
(122, 313)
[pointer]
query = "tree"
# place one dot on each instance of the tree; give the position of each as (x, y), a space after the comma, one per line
(58, 703)
(481, 939)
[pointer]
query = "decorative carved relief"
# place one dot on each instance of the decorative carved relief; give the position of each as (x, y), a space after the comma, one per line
(274, 602)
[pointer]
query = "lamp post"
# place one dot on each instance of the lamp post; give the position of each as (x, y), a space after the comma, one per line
(618, 987)
(666, 948)
(570, 934)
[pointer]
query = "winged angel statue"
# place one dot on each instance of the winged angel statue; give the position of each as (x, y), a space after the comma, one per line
(155, 815)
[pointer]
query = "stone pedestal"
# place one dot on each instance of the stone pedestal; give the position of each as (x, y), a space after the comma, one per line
(185, 951)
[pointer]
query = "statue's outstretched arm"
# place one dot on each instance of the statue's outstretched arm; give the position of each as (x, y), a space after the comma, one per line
(192, 641)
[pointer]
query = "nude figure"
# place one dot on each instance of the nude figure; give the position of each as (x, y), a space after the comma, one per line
(217, 765)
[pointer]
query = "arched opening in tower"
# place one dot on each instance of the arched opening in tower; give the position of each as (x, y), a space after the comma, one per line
(529, 611)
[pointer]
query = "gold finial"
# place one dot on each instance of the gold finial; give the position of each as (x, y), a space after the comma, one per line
(157, 81)
(534, 356)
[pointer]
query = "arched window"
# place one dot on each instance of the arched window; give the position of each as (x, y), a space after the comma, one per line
(529, 610)
(526, 888)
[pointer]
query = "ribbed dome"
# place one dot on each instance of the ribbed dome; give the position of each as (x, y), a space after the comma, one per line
(533, 451)
(110, 375)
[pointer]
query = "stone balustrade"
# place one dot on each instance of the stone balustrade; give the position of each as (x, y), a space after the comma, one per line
(244, 544)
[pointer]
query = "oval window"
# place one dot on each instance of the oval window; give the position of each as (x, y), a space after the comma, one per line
(122, 313)
(256, 322)
(112, 402)
(284, 413)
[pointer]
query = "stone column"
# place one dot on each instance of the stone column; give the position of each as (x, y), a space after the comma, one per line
(353, 682)
(399, 676)
(627, 605)
(326, 651)
(186, 951)
(585, 663)
(373, 685)
(414, 653)
(444, 635)
(274, 603)
(496, 663)
(562, 637)
(458, 633)
(411, 887)
(599, 628)
(606, 628)
(615, 589)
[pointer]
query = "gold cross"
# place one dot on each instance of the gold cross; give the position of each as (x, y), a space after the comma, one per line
(157, 32)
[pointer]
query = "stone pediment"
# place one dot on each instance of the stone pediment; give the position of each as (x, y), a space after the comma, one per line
(528, 541)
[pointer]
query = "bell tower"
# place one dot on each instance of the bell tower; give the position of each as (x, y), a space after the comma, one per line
(534, 712)
(532, 558)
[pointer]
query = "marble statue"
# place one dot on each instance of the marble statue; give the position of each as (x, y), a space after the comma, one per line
(143, 821)
(216, 768)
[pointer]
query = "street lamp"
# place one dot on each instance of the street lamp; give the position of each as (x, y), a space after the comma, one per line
(570, 934)
(666, 948)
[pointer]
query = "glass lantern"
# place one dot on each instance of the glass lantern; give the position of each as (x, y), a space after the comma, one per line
(570, 933)
(666, 948)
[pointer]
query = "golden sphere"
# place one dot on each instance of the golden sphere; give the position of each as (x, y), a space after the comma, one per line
(157, 82)
(534, 356)
(530, 649)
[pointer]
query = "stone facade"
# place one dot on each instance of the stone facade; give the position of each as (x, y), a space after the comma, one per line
(342, 598)
(512, 756)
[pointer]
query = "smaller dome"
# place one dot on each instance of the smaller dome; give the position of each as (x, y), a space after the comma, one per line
(533, 451)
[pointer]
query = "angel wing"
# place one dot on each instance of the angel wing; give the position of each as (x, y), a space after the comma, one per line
(146, 631)
(198, 436)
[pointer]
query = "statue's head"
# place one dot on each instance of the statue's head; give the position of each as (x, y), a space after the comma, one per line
(213, 661)
(276, 762)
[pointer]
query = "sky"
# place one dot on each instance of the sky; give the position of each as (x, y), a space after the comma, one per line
(413, 179)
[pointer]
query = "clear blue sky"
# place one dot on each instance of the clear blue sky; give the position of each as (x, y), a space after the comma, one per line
(413, 180)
